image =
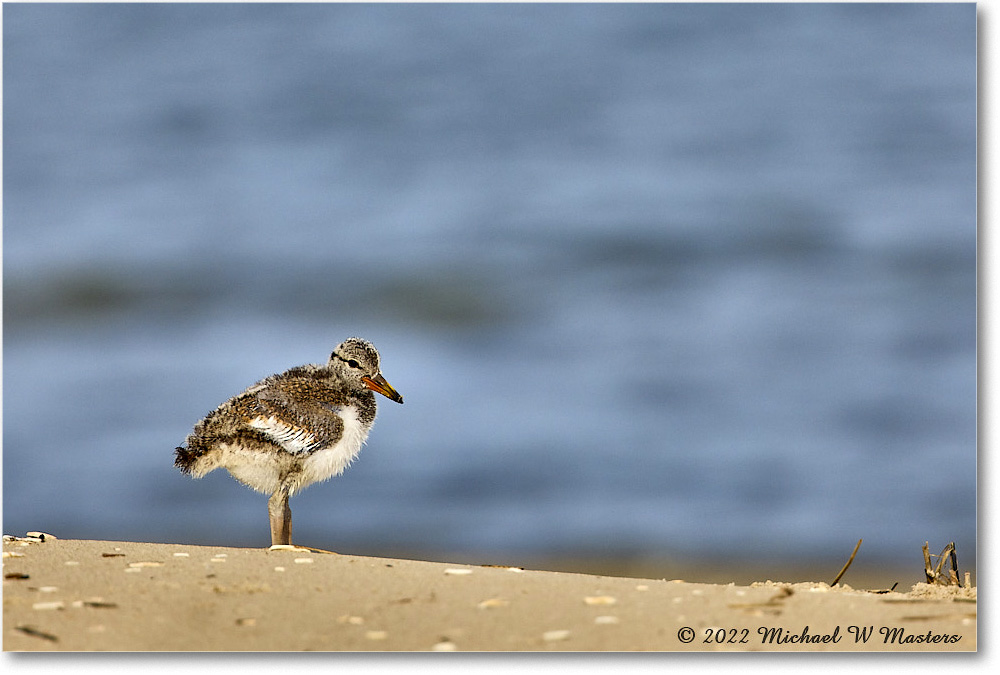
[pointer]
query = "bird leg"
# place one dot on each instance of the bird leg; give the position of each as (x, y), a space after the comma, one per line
(281, 517)
(281, 524)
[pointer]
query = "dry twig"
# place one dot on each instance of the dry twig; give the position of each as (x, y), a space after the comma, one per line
(848, 564)
(934, 574)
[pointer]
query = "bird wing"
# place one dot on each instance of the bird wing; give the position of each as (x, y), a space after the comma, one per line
(301, 415)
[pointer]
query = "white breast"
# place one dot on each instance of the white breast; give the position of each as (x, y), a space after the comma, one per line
(330, 461)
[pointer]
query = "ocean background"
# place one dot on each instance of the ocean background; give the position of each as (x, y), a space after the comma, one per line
(663, 281)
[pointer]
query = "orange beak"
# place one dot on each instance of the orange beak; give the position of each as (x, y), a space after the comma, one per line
(379, 384)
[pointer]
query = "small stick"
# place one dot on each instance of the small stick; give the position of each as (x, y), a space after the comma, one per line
(954, 566)
(848, 564)
(29, 630)
(941, 558)
(928, 570)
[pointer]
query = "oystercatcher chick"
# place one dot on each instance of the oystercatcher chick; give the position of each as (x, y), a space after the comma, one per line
(291, 430)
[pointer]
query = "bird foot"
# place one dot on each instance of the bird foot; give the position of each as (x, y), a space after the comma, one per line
(300, 549)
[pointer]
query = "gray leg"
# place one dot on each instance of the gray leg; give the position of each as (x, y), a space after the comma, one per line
(281, 517)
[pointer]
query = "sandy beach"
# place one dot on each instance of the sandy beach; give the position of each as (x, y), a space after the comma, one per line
(71, 595)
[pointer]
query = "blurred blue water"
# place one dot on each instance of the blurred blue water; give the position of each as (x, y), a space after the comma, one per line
(653, 279)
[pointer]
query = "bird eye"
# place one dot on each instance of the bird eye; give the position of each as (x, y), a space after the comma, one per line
(353, 364)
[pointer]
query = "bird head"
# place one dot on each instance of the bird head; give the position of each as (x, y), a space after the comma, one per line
(357, 361)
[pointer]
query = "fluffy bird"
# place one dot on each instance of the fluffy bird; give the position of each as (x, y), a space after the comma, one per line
(291, 430)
